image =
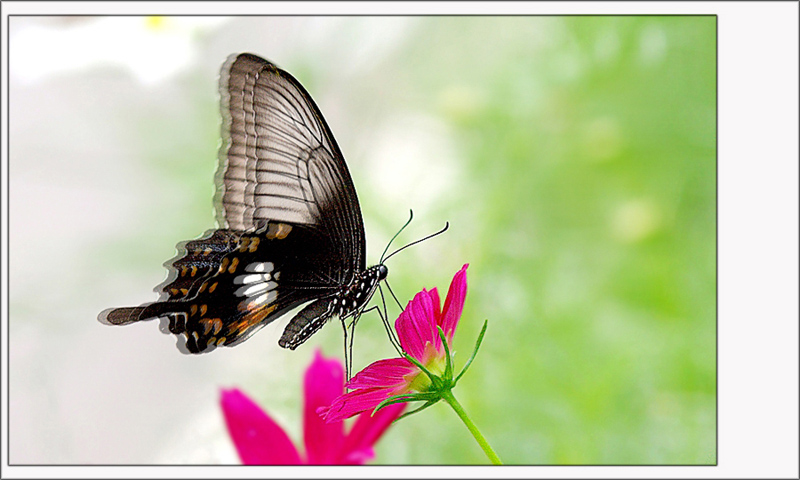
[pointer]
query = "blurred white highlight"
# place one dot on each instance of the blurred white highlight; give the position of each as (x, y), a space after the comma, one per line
(152, 48)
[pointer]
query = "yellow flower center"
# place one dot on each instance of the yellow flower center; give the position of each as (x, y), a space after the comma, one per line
(434, 361)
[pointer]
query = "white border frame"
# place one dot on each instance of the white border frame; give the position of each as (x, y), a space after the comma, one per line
(757, 228)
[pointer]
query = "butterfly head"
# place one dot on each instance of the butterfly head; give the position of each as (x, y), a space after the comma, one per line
(382, 271)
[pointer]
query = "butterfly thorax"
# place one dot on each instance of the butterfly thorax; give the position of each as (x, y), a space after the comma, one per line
(345, 302)
(351, 298)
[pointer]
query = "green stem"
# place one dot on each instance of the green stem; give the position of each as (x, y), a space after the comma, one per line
(448, 397)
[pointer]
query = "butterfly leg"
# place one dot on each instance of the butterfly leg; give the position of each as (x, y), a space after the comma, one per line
(349, 338)
(385, 319)
(393, 295)
(348, 353)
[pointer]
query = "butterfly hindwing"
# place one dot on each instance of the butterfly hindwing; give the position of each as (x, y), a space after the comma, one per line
(200, 259)
(256, 282)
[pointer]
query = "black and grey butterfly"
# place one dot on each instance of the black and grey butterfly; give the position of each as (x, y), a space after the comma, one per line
(290, 231)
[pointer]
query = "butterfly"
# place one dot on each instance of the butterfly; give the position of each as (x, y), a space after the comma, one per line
(291, 230)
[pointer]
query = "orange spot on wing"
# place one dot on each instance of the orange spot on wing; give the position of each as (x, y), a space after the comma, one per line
(223, 265)
(211, 323)
(278, 230)
(253, 318)
(234, 263)
(283, 231)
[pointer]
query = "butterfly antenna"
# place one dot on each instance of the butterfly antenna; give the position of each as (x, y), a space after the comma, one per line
(446, 226)
(410, 216)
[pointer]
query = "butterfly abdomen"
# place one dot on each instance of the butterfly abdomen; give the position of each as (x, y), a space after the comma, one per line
(306, 323)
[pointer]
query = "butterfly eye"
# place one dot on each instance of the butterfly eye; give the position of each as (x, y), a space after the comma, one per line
(382, 272)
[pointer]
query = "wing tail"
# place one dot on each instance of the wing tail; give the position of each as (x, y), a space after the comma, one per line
(127, 315)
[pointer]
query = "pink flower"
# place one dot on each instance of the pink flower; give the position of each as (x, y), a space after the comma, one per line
(418, 334)
(261, 441)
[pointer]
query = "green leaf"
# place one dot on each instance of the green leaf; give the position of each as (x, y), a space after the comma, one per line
(448, 369)
(417, 410)
(474, 352)
(407, 397)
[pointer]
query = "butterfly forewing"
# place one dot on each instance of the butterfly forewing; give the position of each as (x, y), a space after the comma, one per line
(279, 160)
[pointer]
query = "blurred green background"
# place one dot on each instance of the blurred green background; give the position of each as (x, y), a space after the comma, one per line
(574, 157)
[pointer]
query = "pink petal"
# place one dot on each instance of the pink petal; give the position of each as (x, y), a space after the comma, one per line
(416, 325)
(437, 305)
(454, 303)
(258, 439)
(389, 372)
(358, 457)
(369, 428)
(424, 311)
(324, 381)
(354, 402)
(409, 337)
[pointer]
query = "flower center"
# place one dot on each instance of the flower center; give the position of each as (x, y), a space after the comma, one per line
(434, 361)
